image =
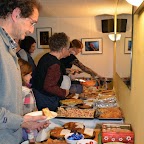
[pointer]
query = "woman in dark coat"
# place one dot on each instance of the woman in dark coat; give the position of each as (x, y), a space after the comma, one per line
(48, 75)
(28, 44)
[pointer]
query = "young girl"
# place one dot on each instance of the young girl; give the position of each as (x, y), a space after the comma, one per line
(29, 103)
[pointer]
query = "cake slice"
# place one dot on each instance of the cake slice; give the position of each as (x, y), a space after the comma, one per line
(47, 112)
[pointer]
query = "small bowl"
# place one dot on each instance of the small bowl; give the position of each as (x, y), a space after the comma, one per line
(85, 141)
(72, 141)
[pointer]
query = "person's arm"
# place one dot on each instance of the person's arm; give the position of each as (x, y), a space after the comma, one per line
(9, 120)
(77, 63)
(51, 81)
(32, 122)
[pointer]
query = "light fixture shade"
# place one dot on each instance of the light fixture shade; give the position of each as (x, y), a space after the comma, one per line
(114, 37)
(135, 2)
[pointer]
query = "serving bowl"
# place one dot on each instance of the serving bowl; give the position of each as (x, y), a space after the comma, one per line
(86, 141)
(72, 138)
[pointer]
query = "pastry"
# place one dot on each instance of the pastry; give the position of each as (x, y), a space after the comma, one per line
(107, 92)
(51, 141)
(89, 83)
(71, 101)
(56, 133)
(113, 112)
(87, 132)
(74, 126)
(76, 113)
(47, 112)
(84, 106)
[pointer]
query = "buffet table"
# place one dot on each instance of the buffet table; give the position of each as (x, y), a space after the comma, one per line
(90, 123)
(89, 109)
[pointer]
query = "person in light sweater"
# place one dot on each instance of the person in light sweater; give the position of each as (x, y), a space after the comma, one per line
(17, 19)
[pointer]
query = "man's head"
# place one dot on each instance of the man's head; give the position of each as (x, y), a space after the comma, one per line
(59, 42)
(20, 16)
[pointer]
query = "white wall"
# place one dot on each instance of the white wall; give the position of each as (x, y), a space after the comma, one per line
(78, 28)
(123, 61)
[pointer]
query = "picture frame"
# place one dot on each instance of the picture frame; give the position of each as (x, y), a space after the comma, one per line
(127, 45)
(92, 46)
(43, 34)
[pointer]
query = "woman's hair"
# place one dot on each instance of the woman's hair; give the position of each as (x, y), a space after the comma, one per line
(26, 43)
(58, 41)
(76, 44)
(25, 68)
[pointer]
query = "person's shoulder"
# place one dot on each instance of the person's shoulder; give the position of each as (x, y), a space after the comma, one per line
(26, 90)
(21, 51)
(48, 58)
(44, 56)
(73, 56)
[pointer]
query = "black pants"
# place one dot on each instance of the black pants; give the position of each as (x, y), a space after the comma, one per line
(43, 101)
(76, 87)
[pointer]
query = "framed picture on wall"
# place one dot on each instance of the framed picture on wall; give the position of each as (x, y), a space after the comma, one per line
(43, 35)
(92, 45)
(127, 45)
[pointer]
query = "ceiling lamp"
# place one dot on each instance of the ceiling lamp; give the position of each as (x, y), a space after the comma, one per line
(114, 37)
(135, 2)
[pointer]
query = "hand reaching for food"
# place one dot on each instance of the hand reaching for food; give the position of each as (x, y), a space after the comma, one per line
(73, 71)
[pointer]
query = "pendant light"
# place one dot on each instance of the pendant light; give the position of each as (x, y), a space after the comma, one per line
(135, 2)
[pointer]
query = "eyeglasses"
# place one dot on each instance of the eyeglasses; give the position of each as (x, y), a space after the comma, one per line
(33, 22)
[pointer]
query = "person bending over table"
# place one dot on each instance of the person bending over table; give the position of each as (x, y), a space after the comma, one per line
(48, 75)
(67, 63)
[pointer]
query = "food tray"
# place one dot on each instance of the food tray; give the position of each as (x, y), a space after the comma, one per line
(74, 117)
(108, 113)
(114, 119)
(76, 113)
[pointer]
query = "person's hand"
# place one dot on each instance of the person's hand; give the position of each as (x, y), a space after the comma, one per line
(99, 77)
(31, 122)
(67, 92)
(68, 70)
(74, 71)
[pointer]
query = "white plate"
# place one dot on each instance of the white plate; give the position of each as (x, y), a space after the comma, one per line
(44, 134)
(84, 141)
(39, 113)
(25, 142)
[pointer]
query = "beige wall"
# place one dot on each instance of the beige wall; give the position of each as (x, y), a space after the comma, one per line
(89, 27)
(123, 61)
(132, 102)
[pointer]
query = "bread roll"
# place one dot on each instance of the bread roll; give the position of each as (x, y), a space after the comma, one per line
(47, 112)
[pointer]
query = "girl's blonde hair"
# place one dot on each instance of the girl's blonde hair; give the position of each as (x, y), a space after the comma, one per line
(25, 68)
